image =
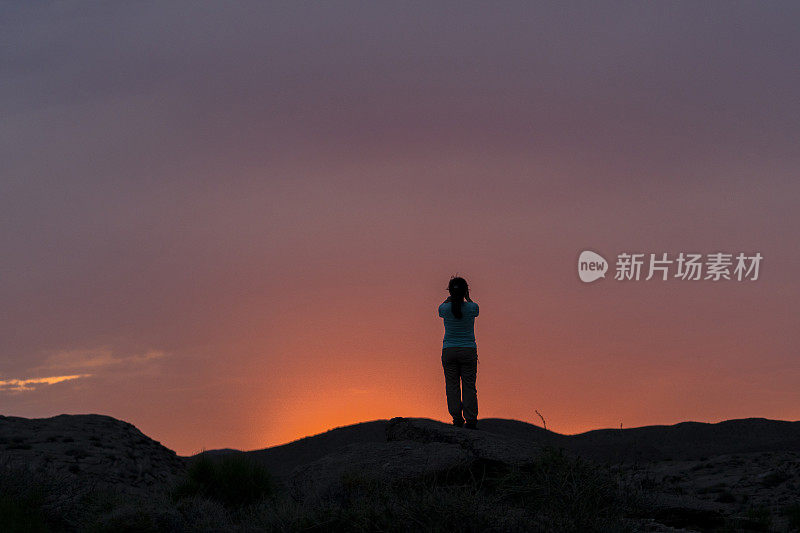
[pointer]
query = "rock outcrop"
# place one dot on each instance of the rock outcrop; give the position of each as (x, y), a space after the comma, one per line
(88, 451)
(414, 447)
(477, 444)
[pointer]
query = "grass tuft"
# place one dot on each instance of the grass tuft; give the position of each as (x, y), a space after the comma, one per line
(233, 480)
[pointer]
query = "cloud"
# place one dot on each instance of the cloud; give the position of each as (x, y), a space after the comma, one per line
(97, 358)
(19, 385)
(81, 363)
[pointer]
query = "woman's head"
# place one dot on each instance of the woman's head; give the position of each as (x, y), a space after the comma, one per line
(458, 290)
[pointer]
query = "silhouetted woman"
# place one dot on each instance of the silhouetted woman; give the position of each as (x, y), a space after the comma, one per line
(460, 353)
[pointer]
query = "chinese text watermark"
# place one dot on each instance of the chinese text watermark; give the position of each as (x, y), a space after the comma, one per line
(715, 266)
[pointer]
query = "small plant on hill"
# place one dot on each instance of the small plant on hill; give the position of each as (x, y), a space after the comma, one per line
(234, 480)
(568, 491)
(792, 512)
(23, 501)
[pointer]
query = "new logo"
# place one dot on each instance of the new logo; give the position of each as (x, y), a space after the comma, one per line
(591, 266)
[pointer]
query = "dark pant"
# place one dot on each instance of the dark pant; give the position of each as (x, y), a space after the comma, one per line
(461, 367)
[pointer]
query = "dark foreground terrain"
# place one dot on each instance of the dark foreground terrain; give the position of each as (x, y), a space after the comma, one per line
(96, 473)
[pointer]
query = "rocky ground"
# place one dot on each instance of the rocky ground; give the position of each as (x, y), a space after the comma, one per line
(753, 488)
(749, 491)
(691, 487)
(88, 451)
(411, 447)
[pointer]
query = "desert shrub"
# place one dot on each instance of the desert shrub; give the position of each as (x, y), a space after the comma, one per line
(125, 519)
(367, 504)
(759, 518)
(138, 515)
(775, 478)
(201, 514)
(435, 502)
(21, 513)
(233, 480)
(233, 493)
(22, 501)
(569, 493)
(18, 443)
(556, 493)
(726, 496)
(111, 511)
(693, 519)
(792, 512)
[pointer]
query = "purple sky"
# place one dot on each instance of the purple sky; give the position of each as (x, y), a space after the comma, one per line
(230, 223)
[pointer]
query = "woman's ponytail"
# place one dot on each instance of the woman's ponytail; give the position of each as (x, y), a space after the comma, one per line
(458, 289)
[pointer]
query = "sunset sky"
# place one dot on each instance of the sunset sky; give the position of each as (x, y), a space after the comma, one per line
(231, 223)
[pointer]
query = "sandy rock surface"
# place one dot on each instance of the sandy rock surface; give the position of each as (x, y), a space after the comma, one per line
(88, 451)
